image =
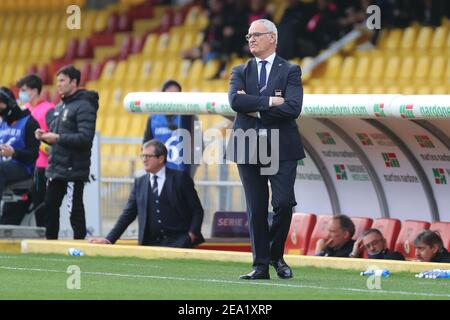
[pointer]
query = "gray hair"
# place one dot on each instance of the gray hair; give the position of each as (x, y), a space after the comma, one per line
(270, 26)
(160, 148)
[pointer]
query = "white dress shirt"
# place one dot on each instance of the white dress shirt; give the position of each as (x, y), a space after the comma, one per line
(161, 174)
(269, 64)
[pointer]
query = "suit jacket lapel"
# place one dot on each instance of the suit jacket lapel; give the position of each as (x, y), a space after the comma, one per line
(169, 185)
(274, 73)
(144, 193)
(252, 78)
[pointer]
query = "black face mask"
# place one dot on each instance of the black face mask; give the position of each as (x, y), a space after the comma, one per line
(379, 255)
(4, 97)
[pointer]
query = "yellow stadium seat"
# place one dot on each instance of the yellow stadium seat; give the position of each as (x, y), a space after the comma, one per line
(157, 70)
(195, 71)
(392, 69)
(188, 41)
(424, 38)
(162, 45)
(42, 24)
(171, 69)
(144, 70)
(8, 74)
(25, 48)
(333, 68)
(393, 39)
(30, 25)
(319, 90)
(408, 40)
(36, 48)
(333, 89)
(133, 70)
(422, 69)
(307, 89)
(362, 89)
(447, 72)
(347, 70)
(211, 69)
(14, 47)
(120, 72)
(393, 89)
(423, 90)
(440, 90)
(377, 89)
(109, 126)
(407, 70)
(348, 89)
(438, 41)
(108, 71)
(409, 90)
(376, 70)
(362, 69)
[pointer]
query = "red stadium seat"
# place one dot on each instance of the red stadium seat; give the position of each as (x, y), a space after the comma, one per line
(85, 49)
(361, 225)
(320, 231)
(302, 225)
(405, 242)
(72, 49)
(444, 231)
(389, 228)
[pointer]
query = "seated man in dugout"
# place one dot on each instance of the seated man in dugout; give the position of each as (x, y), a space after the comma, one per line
(430, 248)
(339, 242)
(373, 241)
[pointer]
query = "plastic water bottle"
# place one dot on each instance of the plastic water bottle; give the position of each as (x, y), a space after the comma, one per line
(74, 252)
(377, 272)
(434, 274)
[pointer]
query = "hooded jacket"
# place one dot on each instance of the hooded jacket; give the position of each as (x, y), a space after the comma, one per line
(74, 120)
(27, 156)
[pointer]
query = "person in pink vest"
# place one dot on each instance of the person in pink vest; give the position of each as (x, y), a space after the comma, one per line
(30, 88)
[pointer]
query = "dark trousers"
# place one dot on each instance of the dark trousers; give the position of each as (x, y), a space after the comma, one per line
(268, 243)
(12, 212)
(56, 189)
(174, 240)
(11, 172)
(38, 192)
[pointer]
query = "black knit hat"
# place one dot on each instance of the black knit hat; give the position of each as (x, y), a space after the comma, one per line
(169, 83)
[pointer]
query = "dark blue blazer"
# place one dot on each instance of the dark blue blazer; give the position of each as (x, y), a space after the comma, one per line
(283, 76)
(186, 214)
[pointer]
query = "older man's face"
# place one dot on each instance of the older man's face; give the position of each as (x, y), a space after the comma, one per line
(261, 41)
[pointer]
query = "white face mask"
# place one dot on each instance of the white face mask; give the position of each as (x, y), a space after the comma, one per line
(24, 97)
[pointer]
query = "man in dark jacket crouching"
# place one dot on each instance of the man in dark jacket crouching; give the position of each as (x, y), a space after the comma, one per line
(71, 132)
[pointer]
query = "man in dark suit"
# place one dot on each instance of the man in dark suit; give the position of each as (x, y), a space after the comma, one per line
(374, 242)
(266, 93)
(166, 203)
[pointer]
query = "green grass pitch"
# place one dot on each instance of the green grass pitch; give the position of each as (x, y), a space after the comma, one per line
(39, 276)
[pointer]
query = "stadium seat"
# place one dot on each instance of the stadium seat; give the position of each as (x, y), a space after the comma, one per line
(361, 224)
(389, 228)
(444, 231)
(405, 241)
(297, 241)
(320, 231)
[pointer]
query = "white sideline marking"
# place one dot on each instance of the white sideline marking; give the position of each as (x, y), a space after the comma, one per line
(255, 283)
(71, 260)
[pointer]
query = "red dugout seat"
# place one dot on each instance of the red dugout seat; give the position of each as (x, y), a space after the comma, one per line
(302, 226)
(390, 229)
(361, 225)
(405, 242)
(320, 231)
(444, 230)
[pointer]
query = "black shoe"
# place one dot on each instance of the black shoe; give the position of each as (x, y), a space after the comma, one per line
(282, 269)
(256, 275)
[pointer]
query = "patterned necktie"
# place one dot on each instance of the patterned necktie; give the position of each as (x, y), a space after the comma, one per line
(262, 77)
(155, 185)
